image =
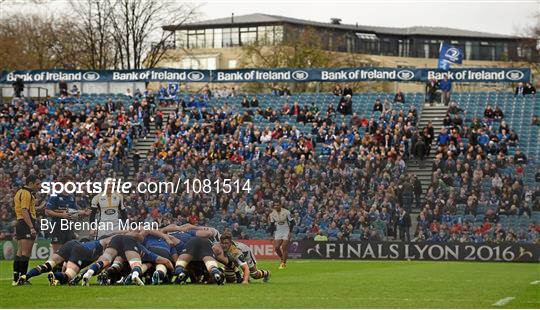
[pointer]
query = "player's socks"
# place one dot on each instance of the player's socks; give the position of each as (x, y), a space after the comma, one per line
(136, 271)
(180, 273)
(16, 272)
(34, 272)
(161, 275)
(266, 275)
(61, 277)
(23, 265)
(158, 277)
(178, 270)
(135, 275)
(95, 268)
(238, 276)
(259, 274)
(23, 268)
(219, 277)
(77, 278)
(39, 270)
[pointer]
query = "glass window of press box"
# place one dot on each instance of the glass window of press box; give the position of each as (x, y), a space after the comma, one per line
(228, 37)
(357, 42)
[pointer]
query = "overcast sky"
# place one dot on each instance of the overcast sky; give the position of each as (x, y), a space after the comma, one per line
(505, 17)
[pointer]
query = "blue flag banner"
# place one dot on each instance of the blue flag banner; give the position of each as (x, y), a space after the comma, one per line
(359, 74)
(449, 54)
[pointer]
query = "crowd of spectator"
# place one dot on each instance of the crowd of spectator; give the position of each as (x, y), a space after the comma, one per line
(525, 89)
(340, 180)
(478, 171)
(49, 139)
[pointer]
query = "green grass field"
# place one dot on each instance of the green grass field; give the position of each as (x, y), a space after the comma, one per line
(309, 284)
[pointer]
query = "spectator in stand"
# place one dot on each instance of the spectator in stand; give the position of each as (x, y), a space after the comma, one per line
(162, 92)
(377, 106)
(236, 231)
(129, 93)
(454, 109)
(483, 138)
(404, 224)
(338, 91)
(75, 91)
(158, 120)
(420, 150)
(63, 88)
(498, 114)
(285, 109)
(443, 137)
(314, 109)
(254, 102)
(18, 87)
(295, 110)
(345, 105)
(513, 138)
(519, 89)
(535, 121)
(321, 236)
(347, 90)
(245, 102)
(387, 106)
(275, 90)
(285, 91)
(110, 106)
(446, 87)
(399, 97)
(431, 90)
(529, 89)
(520, 158)
(489, 114)
(447, 120)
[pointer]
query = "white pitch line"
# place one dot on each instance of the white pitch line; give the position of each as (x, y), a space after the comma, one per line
(503, 301)
(535, 282)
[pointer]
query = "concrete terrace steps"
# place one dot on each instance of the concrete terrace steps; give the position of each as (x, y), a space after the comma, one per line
(143, 145)
(436, 115)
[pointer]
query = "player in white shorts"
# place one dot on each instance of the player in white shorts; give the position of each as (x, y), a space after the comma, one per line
(281, 223)
(108, 207)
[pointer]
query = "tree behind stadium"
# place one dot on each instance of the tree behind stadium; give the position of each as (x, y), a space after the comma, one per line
(93, 34)
(37, 42)
(131, 27)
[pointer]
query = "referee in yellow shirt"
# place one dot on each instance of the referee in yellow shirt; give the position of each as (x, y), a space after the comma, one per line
(25, 231)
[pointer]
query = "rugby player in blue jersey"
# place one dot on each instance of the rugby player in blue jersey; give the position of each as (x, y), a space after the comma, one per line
(75, 254)
(130, 249)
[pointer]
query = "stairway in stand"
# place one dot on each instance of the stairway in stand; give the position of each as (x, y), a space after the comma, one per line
(435, 114)
(143, 145)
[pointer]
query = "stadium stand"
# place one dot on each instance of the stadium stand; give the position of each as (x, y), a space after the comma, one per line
(341, 168)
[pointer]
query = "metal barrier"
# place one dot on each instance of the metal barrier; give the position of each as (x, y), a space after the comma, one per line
(29, 91)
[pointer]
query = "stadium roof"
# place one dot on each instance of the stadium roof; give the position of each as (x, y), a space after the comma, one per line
(258, 18)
